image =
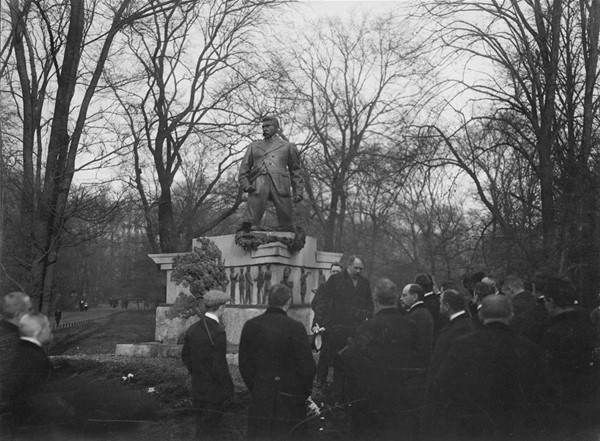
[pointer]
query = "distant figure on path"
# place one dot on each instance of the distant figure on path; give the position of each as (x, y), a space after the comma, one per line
(57, 317)
(277, 366)
(203, 354)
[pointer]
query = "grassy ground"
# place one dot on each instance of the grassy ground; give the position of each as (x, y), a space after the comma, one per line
(88, 351)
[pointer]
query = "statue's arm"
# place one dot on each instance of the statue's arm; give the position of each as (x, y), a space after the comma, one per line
(295, 168)
(245, 167)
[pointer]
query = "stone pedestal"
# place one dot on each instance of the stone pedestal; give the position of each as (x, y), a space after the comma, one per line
(274, 254)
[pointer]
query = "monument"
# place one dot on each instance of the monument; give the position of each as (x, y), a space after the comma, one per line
(258, 256)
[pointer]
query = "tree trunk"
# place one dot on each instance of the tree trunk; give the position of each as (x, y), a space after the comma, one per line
(59, 164)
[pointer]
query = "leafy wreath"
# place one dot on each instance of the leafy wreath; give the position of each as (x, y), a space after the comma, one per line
(200, 270)
(251, 240)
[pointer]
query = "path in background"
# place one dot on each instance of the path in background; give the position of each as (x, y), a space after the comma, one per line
(106, 328)
(92, 313)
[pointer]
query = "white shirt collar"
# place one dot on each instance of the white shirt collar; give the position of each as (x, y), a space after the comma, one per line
(457, 314)
(32, 340)
(420, 302)
(212, 316)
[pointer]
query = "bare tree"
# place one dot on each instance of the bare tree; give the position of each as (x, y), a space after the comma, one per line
(59, 51)
(192, 61)
(538, 100)
(357, 83)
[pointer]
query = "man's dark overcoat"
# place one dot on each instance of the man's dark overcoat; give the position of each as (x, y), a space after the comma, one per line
(341, 307)
(29, 371)
(205, 360)
(9, 341)
(455, 328)
(278, 368)
(432, 303)
(421, 317)
(433, 410)
(569, 343)
(491, 385)
(379, 361)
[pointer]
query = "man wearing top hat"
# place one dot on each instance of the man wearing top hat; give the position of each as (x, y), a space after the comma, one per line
(271, 170)
(203, 354)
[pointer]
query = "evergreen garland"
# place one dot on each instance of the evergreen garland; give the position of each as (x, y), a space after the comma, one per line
(251, 240)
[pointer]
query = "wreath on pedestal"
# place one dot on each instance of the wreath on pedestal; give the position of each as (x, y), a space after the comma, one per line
(200, 270)
(250, 240)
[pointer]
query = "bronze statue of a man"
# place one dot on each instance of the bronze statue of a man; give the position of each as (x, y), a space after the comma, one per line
(271, 170)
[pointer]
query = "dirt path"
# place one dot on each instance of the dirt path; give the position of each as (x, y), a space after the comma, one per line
(92, 313)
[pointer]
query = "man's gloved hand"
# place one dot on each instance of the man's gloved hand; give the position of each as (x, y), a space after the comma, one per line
(297, 198)
(249, 189)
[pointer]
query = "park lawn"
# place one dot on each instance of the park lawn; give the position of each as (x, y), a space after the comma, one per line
(88, 351)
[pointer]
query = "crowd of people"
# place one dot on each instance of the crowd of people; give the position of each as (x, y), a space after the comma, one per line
(472, 360)
(481, 359)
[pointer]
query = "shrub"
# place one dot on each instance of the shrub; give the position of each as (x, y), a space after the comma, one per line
(200, 270)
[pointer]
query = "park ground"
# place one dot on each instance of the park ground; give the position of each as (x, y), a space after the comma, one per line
(88, 350)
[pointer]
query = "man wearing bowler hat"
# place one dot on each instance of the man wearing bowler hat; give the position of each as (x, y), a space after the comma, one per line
(203, 354)
(270, 168)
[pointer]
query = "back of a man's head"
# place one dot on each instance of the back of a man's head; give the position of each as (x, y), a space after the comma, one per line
(385, 292)
(425, 281)
(482, 290)
(454, 299)
(14, 305)
(496, 308)
(560, 291)
(279, 295)
(32, 324)
(515, 284)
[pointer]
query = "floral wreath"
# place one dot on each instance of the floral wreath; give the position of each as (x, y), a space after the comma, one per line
(250, 240)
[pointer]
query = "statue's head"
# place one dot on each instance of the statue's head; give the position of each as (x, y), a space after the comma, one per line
(270, 126)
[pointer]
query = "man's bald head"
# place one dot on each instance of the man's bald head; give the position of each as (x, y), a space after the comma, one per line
(496, 308)
(14, 305)
(37, 326)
